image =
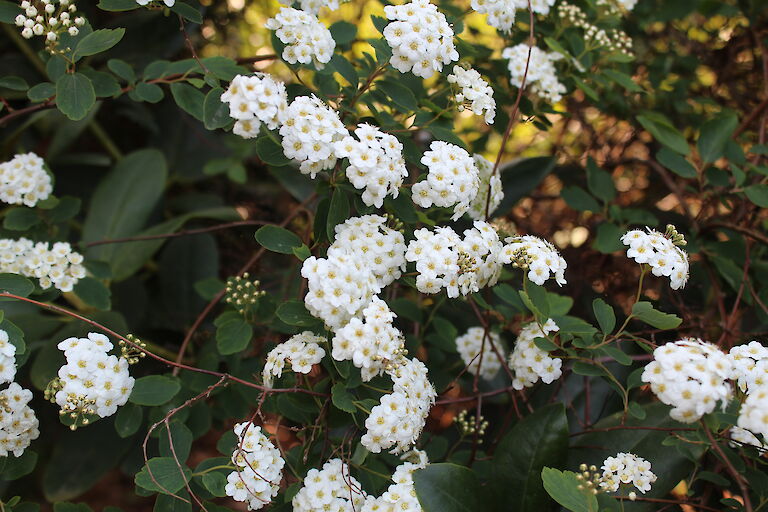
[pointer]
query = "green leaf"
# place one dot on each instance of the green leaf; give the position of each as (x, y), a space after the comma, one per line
(600, 182)
(93, 293)
(608, 238)
(676, 163)
(341, 65)
(154, 390)
(270, 152)
(71, 507)
(644, 311)
(182, 441)
(623, 80)
(447, 488)
(187, 12)
(401, 95)
(343, 32)
(13, 468)
(663, 131)
(13, 83)
(233, 336)
(118, 5)
(104, 84)
(162, 474)
(342, 398)
(563, 487)
(277, 239)
(758, 194)
(714, 136)
(293, 312)
(98, 41)
(16, 284)
(338, 212)
(42, 92)
(151, 93)
(604, 315)
(545, 345)
(215, 112)
(189, 99)
(128, 419)
(20, 219)
(9, 11)
(617, 355)
(302, 252)
(215, 483)
(74, 95)
(578, 199)
(122, 69)
(588, 370)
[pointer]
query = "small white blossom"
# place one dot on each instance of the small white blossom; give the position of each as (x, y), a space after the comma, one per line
(18, 423)
(750, 365)
(302, 351)
(57, 266)
(259, 468)
(452, 179)
(541, 76)
(254, 100)
(660, 253)
(535, 255)
(627, 468)
(331, 488)
(401, 495)
(474, 91)
(23, 180)
(306, 39)
(7, 358)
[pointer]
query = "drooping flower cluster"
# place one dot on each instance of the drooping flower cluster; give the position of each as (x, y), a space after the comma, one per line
(314, 6)
(18, 423)
(536, 256)
(420, 37)
(469, 346)
(309, 129)
(50, 19)
(541, 76)
(399, 418)
(306, 39)
(7, 358)
(302, 350)
(375, 163)
(373, 344)
(254, 100)
(474, 92)
(750, 365)
(329, 488)
(258, 468)
(753, 414)
(444, 260)
(690, 375)
(401, 495)
(452, 179)
(23, 180)
(488, 182)
(627, 468)
(57, 266)
(528, 362)
(661, 252)
(92, 381)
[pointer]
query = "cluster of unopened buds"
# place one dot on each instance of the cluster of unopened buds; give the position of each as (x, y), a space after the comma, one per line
(589, 479)
(612, 39)
(133, 350)
(467, 263)
(241, 293)
(50, 19)
(79, 408)
(674, 236)
(469, 425)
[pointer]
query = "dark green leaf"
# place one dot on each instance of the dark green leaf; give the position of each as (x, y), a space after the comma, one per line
(600, 182)
(676, 163)
(151, 93)
(20, 219)
(16, 284)
(447, 488)
(663, 131)
(122, 69)
(104, 84)
(41, 92)
(118, 5)
(189, 99)
(13, 83)
(128, 419)
(182, 441)
(162, 474)
(293, 312)
(270, 152)
(75, 95)
(342, 398)
(93, 293)
(187, 12)
(215, 113)
(97, 42)
(714, 136)
(401, 95)
(563, 486)
(623, 80)
(758, 194)
(644, 311)
(343, 32)
(578, 199)
(233, 336)
(605, 316)
(338, 211)
(277, 239)
(154, 390)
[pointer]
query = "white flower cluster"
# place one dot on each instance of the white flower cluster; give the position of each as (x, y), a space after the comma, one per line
(660, 253)
(444, 260)
(168, 3)
(401, 495)
(399, 418)
(23, 180)
(258, 468)
(420, 37)
(373, 344)
(528, 362)
(452, 178)
(627, 468)
(57, 266)
(7, 359)
(331, 488)
(49, 18)
(254, 100)
(475, 92)
(537, 256)
(306, 39)
(314, 6)
(541, 76)
(375, 163)
(690, 375)
(18, 423)
(309, 129)
(741, 436)
(753, 415)
(501, 13)
(92, 381)
(750, 365)
(488, 182)
(469, 346)
(302, 350)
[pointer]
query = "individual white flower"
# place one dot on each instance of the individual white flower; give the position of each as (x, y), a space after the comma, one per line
(253, 100)
(314, 6)
(306, 39)
(753, 415)
(258, 468)
(168, 3)
(659, 251)
(473, 91)
(302, 351)
(18, 423)
(57, 266)
(91, 381)
(541, 76)
(690, 375)
(420, 37)
(627, 468)
(488, 182)
(401, 495)
(397, 421)
(7, 358)
(23, 180)
(743, 437)
(375, 163)
(750, 365)
(536, 256)
(528, 362)
(331, 488)
(469, 346)
(309, 129)
(501, 13)
(452, 179)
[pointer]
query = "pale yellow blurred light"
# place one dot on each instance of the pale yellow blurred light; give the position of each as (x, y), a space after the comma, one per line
(579, 235)
(242, 211)
(561, 238)
(236, 5)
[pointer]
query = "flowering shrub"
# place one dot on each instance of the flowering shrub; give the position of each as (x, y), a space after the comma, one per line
(362, 256)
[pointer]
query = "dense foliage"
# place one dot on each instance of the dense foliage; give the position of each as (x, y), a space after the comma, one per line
(358, 256)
